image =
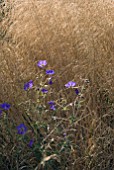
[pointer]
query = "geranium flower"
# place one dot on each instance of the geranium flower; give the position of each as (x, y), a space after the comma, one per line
(50, 72)
(52, 107)
(28, 85)
(5, 106)
(31, 143)
(22, 129)
(42, 63)
(70, 84)
(77, 91)
(44, 90)
(50, 81)
(51, 102)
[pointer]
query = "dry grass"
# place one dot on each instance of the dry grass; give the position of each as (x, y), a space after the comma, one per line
(77, 40)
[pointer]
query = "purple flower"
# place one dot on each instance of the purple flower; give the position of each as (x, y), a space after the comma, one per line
(44, 91)
(5, 106)
(50, 72)
(70, 84)
(42, 63)
(31, 143)
(28, 85)
(22, 129)
(50, 81)
(51, 102)
(0, 112)
(77, 91)
(64, 134)
(52, 107)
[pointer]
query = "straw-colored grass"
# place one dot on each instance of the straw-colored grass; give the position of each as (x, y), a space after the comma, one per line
(77, 40)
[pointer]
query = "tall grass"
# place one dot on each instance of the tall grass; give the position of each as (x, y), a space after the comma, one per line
(76, 39)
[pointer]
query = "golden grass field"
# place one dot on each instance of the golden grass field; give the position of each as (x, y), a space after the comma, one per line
(77, 39)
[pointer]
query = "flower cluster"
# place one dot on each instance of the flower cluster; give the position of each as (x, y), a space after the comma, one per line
(22, 129)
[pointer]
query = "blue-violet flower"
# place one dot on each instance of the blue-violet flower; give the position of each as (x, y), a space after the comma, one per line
(28, 85)
(70, 84)
(31, 143)
(44, 90)
(50, 72)
(5, 106)
(77, 91)
(42, 63)
(22, 129)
